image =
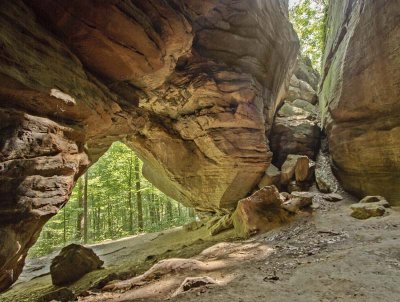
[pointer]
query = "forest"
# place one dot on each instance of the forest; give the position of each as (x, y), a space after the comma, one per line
(110, 201)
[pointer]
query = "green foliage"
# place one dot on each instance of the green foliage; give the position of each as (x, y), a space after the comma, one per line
(109, 190)
(309, 21)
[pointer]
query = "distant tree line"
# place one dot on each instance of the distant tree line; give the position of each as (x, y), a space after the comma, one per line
(111, 200)
(309, 18)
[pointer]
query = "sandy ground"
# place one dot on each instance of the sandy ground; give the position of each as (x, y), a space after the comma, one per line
(324, 255)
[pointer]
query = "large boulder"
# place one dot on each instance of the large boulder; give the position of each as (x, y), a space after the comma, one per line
(304, 71)
(295, 167)
(174, 80)
(259, 212)
(300, 89)
(73, 262)
(367, 210)
(360, 95)
(271, 177)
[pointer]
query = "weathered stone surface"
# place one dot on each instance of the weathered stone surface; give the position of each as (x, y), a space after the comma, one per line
(322, 184)
(333, 197)
(367, 210)
(378, 200)
(175, 81)
(191, 283)
(295, 203)
(295, 166)
(305, 72)
(300, 89)
(73, 262)
(360, 96)
(306, 198)
(259, 212)
(302, 170)
(221, 224)
(324, 177)
(295, 131)
(271, 177)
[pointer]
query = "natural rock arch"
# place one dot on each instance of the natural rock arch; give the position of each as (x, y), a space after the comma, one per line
(191, 86)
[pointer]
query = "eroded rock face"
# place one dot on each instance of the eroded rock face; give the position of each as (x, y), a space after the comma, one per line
(176, 81)
(304, 71)
(360, 96)
(296, 127)
(295, 131)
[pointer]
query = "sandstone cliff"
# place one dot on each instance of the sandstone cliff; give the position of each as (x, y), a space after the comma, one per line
(360, 95)
(191, 86)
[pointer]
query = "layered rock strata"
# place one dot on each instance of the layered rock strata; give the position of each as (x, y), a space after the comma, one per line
(176, 81)
(360, 95)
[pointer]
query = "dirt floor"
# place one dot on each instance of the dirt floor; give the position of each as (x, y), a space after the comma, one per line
(324, 255)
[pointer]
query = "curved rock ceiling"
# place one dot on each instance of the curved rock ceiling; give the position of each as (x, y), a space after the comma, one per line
(192, 86)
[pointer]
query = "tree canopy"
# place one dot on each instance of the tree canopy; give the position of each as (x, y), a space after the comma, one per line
(309, 19)
(115, 202)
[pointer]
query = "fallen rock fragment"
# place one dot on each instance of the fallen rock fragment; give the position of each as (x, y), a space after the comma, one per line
(333, 197)
(300, 89)
(259, 212)
(306, 198)
(271, 177)
(370, 206)
(191, 283)
(72, 263)
(293, 163)
(62, 294)
(302, 169)
(322, 185)
(378, 200)
(367, 210)
(298, 201)
(292, 205)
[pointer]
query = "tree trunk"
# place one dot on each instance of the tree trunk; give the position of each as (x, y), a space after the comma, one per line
(109, 218)
(138, 196)
(169, 210)
(191, 212)
(179, 210)
(85, 209)
(79, 221)
(65, 229)
(152, 206)
(130, 204)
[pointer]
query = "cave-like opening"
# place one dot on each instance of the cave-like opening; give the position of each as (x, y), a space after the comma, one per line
(111, 200)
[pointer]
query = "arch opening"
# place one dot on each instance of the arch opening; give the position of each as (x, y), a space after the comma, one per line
(119, 202)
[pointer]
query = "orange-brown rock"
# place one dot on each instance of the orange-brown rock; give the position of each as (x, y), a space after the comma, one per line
(360, 96)
(259, 212)
(176, 81)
